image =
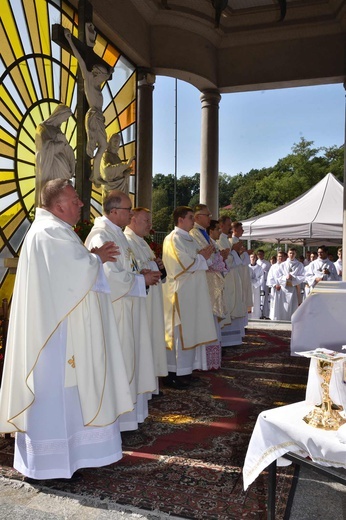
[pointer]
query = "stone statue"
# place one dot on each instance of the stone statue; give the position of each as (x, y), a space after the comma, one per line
(115, 172)
(54, 156)
(90, 34)
(94, 119)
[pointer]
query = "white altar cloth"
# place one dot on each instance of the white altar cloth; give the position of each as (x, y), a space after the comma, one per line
(281, 430)
(320, 320)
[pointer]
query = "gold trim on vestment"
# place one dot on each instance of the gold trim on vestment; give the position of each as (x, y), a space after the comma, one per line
(37, 358)
(181, 333)
(105, 369)
(178, 259)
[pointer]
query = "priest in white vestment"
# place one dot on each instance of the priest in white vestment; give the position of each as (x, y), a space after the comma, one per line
(321, 269)
(243, 254)
(128, 294)
(233, 326)
(215, 279)
(256, 274)
(265, 264)
(338, 264)
(291, 276)
(64, 383)
(276, 310)
(188, 313)
(135, 232)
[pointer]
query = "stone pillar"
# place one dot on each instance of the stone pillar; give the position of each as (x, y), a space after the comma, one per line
(144, 159)
(209, 193)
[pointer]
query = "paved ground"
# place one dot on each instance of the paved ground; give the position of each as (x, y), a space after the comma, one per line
(315, 498)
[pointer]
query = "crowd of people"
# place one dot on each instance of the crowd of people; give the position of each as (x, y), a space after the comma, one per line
(96, 328)
(281, 285)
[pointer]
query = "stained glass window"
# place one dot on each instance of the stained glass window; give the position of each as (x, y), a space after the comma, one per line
(36, 75)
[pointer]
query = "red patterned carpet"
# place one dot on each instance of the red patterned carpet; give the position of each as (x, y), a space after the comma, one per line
(186, 459)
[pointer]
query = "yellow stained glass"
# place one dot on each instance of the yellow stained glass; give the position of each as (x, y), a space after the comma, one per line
(25, 170)
(126, 118)
(38, 76)
(111, 56)
(7, 105)
(127, 93)
(7, 188)
(13, 225)
(43, 26)
(113, 128)
(6, 176)
(13, 39)
(6, 150)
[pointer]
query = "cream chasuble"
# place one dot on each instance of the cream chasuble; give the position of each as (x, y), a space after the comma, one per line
(185, 293)
(154, 301)
(244, 275)
(47, 294)
(130, 311)
(215, 278)
(233, 285)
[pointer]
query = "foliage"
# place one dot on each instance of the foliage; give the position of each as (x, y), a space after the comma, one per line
(162, 219)
(256, 192)
(83, 228)
(154, 246)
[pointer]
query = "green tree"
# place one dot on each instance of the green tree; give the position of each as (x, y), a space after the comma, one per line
(160, 199)
(162, 219)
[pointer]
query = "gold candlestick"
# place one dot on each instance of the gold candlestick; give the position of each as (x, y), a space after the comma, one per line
(326, 415)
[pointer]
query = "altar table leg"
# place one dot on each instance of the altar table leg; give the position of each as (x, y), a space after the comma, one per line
(271, 490)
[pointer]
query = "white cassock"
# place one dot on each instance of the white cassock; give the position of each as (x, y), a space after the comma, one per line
(233, 326)
(277, 297)
(189, 320)
(256, 274)
(315, 270)
(291, 288)
(243, 261)
(154, 301)
(64, 383)
(128, 295)
(338, 268)
(233, 284)
(265, 266)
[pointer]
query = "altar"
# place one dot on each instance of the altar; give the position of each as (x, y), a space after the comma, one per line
(311, 432)
(320, 320)
(282, 430)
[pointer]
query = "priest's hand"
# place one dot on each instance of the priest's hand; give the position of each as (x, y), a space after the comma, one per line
(151, 277)
(107, 252)
(237, 247)
(207, 251)
(159, 262)
(225, 253)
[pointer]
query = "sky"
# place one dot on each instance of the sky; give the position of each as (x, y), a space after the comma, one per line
(256, 128)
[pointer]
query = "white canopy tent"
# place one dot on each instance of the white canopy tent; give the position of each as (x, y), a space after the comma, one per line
(314, 218)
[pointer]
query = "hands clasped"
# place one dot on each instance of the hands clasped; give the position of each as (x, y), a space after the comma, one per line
(207, 251)
(107, 252)
(151, 277)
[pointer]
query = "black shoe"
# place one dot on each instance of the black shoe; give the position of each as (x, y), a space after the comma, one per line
(190, 379)
(174, 382)
(160, 394)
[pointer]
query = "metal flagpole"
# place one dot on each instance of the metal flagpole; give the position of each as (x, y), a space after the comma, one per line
(175, 142)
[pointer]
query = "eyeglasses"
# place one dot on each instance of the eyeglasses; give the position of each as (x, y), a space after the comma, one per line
(205, 214)
(128, 209)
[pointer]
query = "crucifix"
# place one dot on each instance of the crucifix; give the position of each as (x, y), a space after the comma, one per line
(93, 71)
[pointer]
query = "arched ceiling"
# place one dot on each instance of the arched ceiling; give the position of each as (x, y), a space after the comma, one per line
(250, 50)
